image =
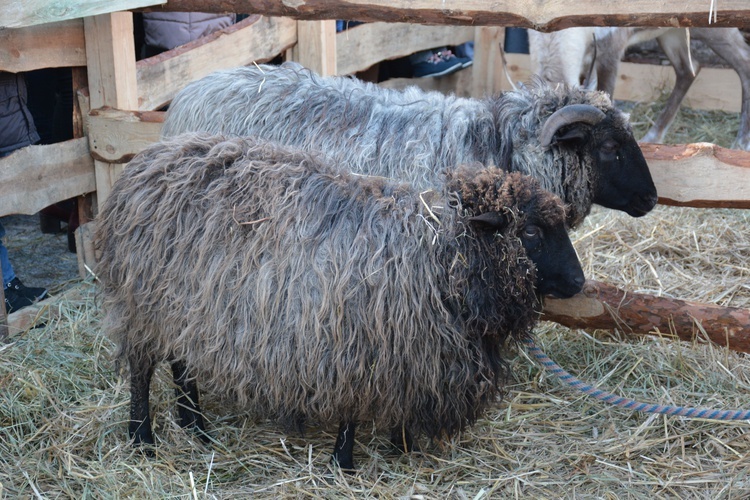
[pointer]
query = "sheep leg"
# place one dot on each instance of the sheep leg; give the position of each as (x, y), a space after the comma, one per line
(187, 401)
(402, 439)
(730, 45)
(139, 428)
(343, 450)
(674, 43)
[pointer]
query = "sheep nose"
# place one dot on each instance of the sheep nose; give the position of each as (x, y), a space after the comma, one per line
(578, 282)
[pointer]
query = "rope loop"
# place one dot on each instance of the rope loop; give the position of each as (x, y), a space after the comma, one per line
(628, 403)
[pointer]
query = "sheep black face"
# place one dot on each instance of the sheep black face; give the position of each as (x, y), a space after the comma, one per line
(620, 176)
(539, 218)
(548, 246)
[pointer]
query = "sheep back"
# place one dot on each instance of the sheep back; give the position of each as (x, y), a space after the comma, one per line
(405, 134)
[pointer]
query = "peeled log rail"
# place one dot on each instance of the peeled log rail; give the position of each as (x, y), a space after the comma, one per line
(700, 175)
(542, 15)
(605, 307)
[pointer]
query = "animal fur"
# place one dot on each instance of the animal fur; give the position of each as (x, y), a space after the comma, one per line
(414, 135)
(312, 294)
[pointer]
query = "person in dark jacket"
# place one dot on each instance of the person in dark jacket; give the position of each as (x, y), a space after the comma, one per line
(164, 31)
(17, 130)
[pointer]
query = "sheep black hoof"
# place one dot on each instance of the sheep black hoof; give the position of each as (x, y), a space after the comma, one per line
(144, 443)
(147, 450)
(346, 464)
(202, 435)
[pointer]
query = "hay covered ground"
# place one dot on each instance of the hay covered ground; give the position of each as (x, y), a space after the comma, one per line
(64, 410)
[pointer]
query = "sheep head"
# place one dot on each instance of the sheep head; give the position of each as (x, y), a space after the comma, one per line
(514, 205)
(619, 174)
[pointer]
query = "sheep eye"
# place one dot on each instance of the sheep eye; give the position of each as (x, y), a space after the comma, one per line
(532, 232)
(610, 147)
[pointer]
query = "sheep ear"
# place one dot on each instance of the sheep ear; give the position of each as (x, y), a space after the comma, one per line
(492, 221)
(575, 133)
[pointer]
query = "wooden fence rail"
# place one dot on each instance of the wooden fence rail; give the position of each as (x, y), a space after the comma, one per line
(537, 14)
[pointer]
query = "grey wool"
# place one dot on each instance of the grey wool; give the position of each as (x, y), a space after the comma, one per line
(406, 134)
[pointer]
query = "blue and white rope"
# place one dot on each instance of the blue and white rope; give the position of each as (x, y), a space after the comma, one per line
(628, 403)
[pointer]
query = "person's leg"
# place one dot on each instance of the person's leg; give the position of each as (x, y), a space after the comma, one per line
(17, 294)
(7, 268)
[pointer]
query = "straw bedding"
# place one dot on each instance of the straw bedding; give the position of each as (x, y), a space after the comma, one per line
(63, 409)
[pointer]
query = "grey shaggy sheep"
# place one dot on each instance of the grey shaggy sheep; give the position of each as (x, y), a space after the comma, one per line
(309, 293)
(572, 140)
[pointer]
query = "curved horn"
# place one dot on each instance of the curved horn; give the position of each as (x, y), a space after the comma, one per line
(575, 113)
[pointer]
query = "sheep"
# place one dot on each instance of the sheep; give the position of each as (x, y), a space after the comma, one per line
(308, 293)
(569, 55)
(574, 142)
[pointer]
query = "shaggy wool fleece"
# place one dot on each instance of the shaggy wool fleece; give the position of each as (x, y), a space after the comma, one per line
(311, 294)
(404, 134)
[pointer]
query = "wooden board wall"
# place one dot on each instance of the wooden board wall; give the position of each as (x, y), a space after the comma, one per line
(21, 13)
(255, 39)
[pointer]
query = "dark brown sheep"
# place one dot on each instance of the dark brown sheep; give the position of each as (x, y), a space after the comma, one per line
(312, 294)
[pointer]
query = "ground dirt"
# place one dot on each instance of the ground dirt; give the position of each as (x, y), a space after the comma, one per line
(39, 259)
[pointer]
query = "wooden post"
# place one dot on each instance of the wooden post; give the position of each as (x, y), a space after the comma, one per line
(487, 70)
(316, 46)
(110, 58)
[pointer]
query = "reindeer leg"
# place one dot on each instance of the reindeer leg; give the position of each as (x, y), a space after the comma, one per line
(730, 45)
(674, 43)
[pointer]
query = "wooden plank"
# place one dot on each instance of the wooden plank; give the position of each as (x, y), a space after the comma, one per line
(605, 307)
(713, 88)
(53, 45)
(316, 46)
(110, 53)
(37, 176)
(85, 252)
(17, 14)
(256, 39)
(458, 83)
(116, 136)
(360, 47)
(46, 310)
(699, 175)
(110, 57)
(540, 15)
(487, 70)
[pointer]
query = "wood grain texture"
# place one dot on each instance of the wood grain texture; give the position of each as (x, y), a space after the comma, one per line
(20, 13)
(116, 136)
(53, 45)
(255, 39)
(699, 175)
(545, 15)
(37, 176)
(605, 307)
